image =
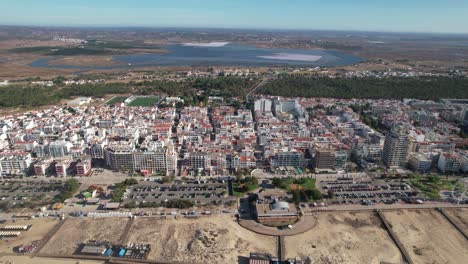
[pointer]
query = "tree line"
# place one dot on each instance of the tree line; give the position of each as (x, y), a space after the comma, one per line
(429, 88)
(33, 95)
(196, 91)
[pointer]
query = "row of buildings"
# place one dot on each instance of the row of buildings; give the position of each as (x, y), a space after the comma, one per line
(278, 134)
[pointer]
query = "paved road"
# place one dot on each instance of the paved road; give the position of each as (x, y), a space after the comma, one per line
(330, 176)
(264, 81)
(396, 206)
(108, 100)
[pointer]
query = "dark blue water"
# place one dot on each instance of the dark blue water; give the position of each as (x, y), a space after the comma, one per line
(229, 55)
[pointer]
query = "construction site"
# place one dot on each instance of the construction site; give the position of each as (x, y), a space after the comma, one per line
(373, 236)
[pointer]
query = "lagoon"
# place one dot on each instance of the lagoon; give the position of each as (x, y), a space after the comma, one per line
(221, 54)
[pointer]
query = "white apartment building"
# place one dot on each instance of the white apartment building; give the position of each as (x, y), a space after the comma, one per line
(15, 163)
(449, 162)
(419, 162)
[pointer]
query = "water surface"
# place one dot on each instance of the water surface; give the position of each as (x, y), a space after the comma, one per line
(227, 55)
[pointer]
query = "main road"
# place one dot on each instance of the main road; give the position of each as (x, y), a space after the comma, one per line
(255, 88)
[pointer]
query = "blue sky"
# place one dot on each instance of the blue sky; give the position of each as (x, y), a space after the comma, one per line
(449, 16)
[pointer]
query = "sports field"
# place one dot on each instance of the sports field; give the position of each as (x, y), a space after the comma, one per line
(144, 101)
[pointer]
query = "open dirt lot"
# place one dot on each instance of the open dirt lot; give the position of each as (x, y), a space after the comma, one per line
(40, 227)
(428, 236)
(460, 216)
(76, 231)
(344, 238)
(29, 260)
(217, 239)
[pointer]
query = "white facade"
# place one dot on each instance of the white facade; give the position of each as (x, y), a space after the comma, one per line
(15, 163)
(263, 106)
(449, 162)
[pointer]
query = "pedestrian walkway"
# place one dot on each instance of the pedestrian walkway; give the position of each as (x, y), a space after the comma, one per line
(304, 224)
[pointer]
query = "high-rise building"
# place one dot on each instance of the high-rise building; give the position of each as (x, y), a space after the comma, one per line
(42, 167)
(128, 158)
(330, 159)
(450, 162)
(263, 106)
(289, 107)
(199, 160)
(154, 161)
(83, 168)
(63, 167)
(324, 159)
(419, 162)
(96, 150)
(289, 158)
(56, 149)
(396, 148)
(340, 159)
(14, 163)
(119, 157)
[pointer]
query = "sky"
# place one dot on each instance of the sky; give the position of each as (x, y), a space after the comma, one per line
(444, 16)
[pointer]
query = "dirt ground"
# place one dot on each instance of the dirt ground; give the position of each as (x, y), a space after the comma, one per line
(79, 230)
(342, 237)
(40, 227)
(29, 260)
(86, 61)
(428, 236)
(460, 216)
(217, 239)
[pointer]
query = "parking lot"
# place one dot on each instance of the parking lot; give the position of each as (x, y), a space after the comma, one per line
(367, 191)
(201, 193)
(17, 192)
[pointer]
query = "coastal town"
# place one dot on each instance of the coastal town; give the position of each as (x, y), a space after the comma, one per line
(233, 132)
(294, 157)
(301, 135)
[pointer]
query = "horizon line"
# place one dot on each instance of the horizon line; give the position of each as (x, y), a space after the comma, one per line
(230, 28)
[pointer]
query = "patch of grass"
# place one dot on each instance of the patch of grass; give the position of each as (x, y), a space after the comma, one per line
(64, 51)
(286, 183)
(283, 183)
(307, 183)
(430, 185)
(121, 45)
(70, 188)
(144, 101)
(120, 188)
(245, 185)
(37, 49)
(303, 190)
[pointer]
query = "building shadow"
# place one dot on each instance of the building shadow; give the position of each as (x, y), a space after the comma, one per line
(242, 260)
